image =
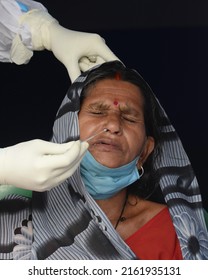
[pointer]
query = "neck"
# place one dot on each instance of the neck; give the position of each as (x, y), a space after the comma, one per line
(112, 207)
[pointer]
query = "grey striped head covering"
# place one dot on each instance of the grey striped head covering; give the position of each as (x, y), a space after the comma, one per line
(67, 222)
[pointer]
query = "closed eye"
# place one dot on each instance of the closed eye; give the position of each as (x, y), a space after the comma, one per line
(129, 119)
(96, 112)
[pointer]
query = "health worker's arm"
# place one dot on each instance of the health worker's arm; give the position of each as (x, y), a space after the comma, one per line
(26, 26)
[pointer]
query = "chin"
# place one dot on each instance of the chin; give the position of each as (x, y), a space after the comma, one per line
(108, 161)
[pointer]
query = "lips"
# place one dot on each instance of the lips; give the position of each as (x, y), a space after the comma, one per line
(106, 143)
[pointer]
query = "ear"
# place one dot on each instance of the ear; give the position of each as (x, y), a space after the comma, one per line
(148, 148)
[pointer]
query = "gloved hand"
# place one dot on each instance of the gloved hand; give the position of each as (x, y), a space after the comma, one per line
(40, 165)
(68, 46)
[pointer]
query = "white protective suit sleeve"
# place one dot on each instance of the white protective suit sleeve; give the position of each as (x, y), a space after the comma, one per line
(10, 29)
(26, 26)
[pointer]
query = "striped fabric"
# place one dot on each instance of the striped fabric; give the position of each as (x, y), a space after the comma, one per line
(68, 224)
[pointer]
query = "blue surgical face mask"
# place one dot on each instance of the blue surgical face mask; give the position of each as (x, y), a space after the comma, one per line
(103, 182)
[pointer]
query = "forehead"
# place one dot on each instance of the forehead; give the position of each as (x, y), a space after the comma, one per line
(109, 90)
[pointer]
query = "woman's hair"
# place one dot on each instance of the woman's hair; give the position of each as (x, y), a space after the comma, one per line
(147, 186)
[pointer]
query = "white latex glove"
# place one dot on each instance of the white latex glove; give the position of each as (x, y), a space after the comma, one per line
(68, 46)
(40, 165)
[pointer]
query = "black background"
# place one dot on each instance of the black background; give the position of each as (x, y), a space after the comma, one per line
(166, 41)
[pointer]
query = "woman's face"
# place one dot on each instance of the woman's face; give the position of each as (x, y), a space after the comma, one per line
(118, 107)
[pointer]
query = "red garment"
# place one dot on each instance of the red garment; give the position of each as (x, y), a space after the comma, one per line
(156, 240)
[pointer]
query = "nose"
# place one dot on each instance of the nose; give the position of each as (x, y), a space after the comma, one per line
(113, 123)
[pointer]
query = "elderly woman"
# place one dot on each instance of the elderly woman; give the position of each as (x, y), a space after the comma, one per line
(134, 196)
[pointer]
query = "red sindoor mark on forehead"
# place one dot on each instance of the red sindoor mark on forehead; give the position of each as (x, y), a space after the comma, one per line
(115, 102)
(118, 76)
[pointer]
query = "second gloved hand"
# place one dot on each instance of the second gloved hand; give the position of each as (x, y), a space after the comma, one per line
(40, 165)
(68, 46)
